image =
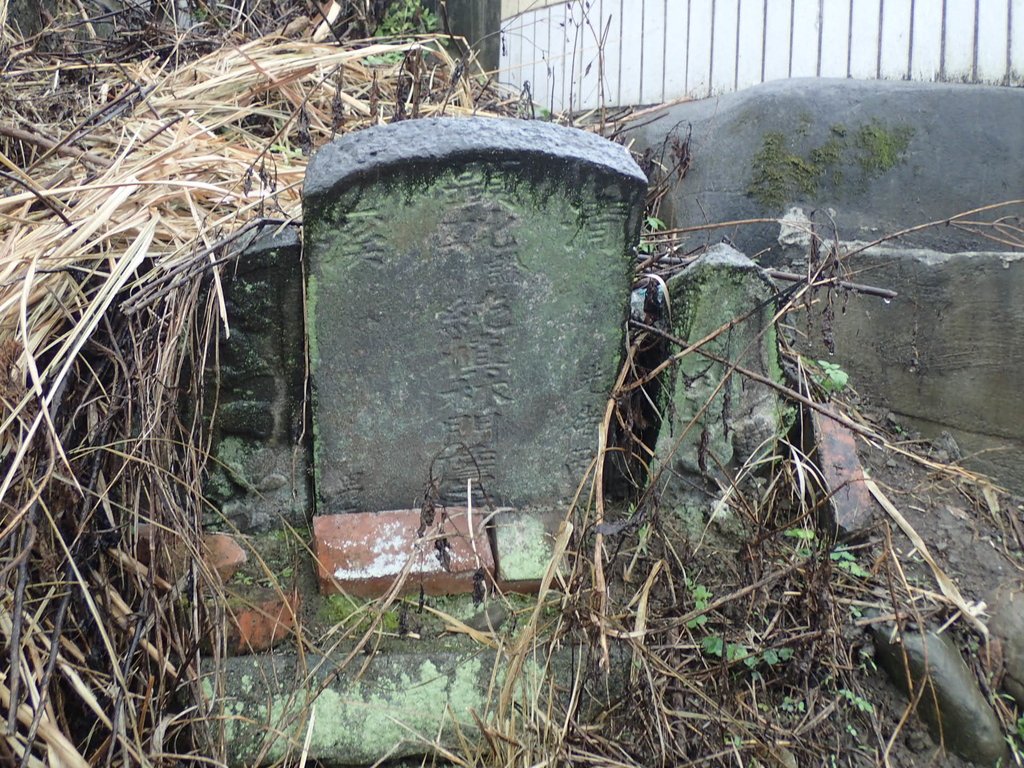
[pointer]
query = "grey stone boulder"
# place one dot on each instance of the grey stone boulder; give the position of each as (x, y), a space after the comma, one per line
(859, 160)
(952, 705)
(871, 156)
(946, 355)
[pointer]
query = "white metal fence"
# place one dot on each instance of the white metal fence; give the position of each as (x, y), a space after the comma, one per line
(585, 53)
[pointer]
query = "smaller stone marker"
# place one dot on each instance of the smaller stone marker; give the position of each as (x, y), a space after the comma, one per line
(467, 296)
(711, 428)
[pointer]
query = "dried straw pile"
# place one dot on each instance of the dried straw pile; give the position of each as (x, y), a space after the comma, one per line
(122, 182)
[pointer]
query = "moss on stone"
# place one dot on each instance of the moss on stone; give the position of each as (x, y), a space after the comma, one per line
(781, 173)
(778, 172)
(233, 454)
(881, 148)
(343, 609)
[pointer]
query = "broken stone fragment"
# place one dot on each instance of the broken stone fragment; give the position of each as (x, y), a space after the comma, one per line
(362, 554)
(851, 506)
(258, 618)
(257, 389)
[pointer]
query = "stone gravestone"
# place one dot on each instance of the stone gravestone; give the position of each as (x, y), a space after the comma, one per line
(467, 293)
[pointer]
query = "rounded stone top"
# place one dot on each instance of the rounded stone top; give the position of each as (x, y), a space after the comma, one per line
(439, 141)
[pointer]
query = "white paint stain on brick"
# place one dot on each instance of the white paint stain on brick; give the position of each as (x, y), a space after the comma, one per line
(391, 550)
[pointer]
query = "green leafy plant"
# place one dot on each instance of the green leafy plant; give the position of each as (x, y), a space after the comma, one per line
(833, 378)
(845, 560)
(407, 17)
(701, 596)
(856, 700)
(713, 645)
(652, 224)
(803, 537)
(793, 706)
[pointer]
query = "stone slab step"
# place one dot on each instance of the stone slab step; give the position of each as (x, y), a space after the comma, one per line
(397, 704)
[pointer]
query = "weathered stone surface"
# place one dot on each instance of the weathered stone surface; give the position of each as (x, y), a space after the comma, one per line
(26, 15)
(363, 553)
(1007, 624)
(259, 472)
(710, 425)
(882, 155)
(952, 705)
(467, 293)
(391, 706)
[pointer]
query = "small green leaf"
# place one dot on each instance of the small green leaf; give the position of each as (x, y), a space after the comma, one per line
(803, 534)
(700, 621)
(713, 645)
(833, 378)
(701, 594)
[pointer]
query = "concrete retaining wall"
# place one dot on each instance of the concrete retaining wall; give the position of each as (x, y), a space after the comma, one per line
(868, 159)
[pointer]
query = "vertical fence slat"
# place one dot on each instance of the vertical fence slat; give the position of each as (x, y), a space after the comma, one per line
(1016, 64)
(723, 68)
(992, 39)
(675, 44)
(630, 63)
(959, 40)
(589, 66)
(776, 42)
(927, 43)
(804, 60)
(612, 21)
(698, 58)
(864, 39)
(895, 40)
(652, 88)
(835, 38)
(748, 58)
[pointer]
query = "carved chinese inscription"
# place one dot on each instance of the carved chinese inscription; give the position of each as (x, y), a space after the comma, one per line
(466, 299)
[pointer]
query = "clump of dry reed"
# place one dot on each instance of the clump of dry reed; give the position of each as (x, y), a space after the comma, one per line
(123, 183)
